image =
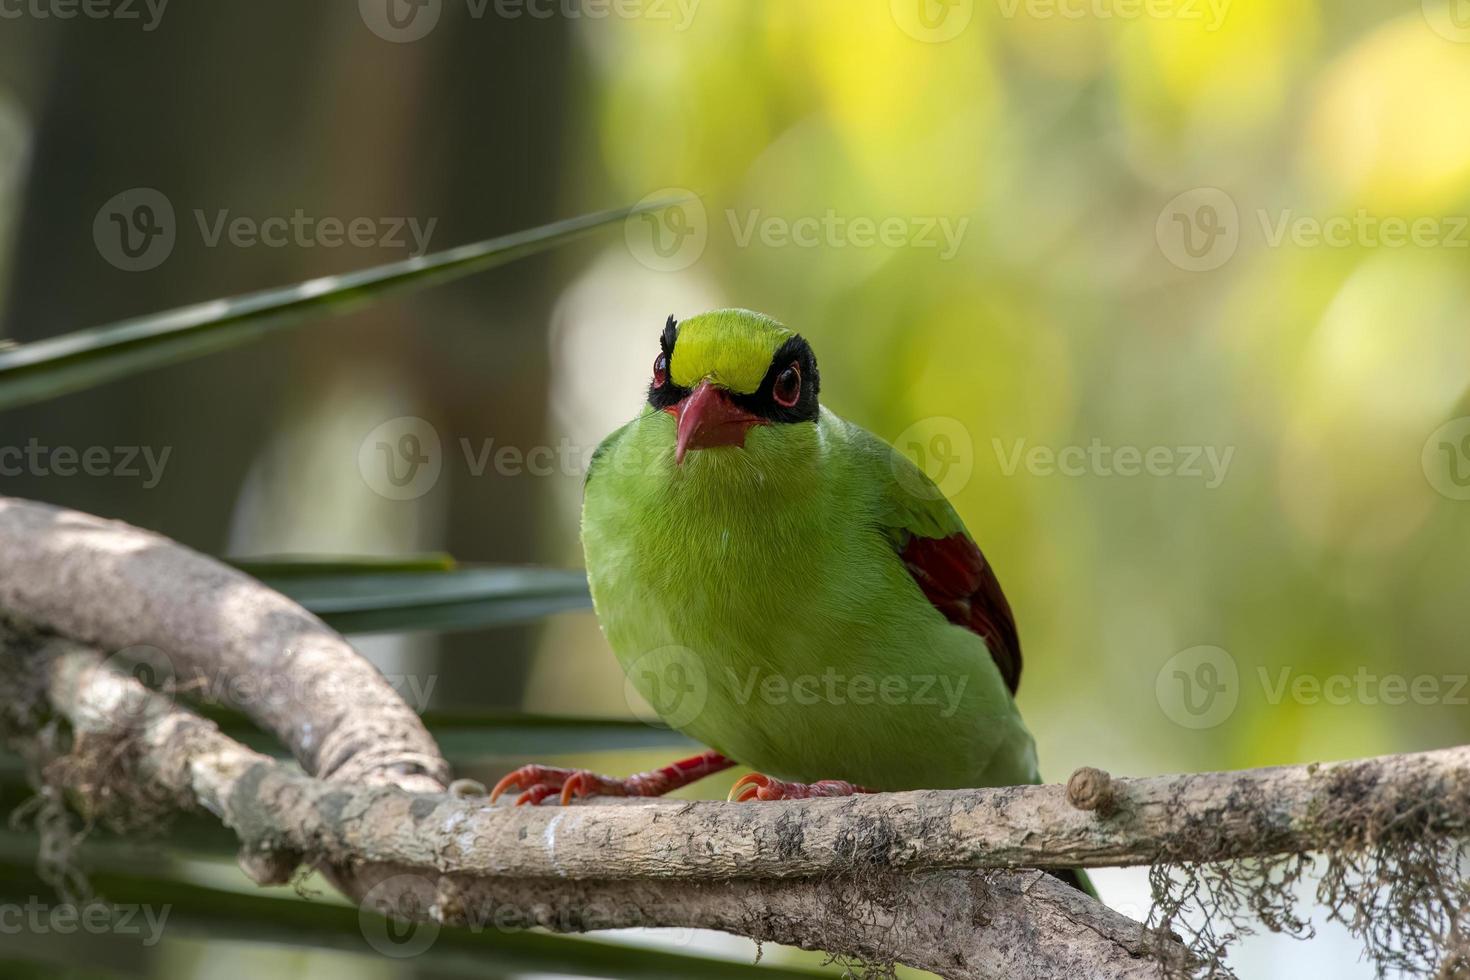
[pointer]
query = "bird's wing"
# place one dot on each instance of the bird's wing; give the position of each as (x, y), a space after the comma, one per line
(944, 560)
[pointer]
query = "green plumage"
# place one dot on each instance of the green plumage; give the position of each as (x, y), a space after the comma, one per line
(757, 599)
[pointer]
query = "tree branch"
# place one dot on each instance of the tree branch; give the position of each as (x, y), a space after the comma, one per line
(414, 854)
(116, 587)
(388, 837)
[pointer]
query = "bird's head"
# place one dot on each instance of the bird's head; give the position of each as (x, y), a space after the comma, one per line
(721, 373)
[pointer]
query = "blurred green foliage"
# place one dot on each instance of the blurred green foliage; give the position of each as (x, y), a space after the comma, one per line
(1061, 135)
(1169, 295)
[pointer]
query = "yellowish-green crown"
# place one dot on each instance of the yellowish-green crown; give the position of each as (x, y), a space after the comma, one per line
(732, 348)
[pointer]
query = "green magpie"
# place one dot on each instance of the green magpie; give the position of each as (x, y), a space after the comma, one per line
(788, 589)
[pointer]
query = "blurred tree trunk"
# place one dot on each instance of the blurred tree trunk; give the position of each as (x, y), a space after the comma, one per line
(262, 108)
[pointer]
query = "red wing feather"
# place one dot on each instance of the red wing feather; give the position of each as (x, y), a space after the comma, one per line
(956, 578)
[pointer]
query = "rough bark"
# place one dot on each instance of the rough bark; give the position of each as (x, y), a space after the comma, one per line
(418, 854)
(375, 816)
(215, 630)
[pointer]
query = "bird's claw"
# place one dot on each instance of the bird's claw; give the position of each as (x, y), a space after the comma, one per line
(584, 783)
(536, 783)
(758, 786)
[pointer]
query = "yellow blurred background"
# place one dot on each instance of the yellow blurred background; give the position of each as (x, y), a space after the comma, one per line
(1189, 279)
(1170, 296)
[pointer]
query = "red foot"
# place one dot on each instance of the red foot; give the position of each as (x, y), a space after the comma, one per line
(755, 786)
(539, 782)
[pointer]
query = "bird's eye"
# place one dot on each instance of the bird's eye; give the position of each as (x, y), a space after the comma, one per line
(660, 370)
(788, 386)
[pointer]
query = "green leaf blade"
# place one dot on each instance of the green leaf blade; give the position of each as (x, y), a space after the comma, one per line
(420, 593)
(58, 365)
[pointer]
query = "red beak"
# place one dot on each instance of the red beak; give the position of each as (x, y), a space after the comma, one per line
(709, 418)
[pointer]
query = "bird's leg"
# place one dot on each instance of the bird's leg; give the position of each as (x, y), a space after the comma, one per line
(536, 783)
(756, 786)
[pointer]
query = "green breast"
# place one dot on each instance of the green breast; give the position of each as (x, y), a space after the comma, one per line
(755, 601)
